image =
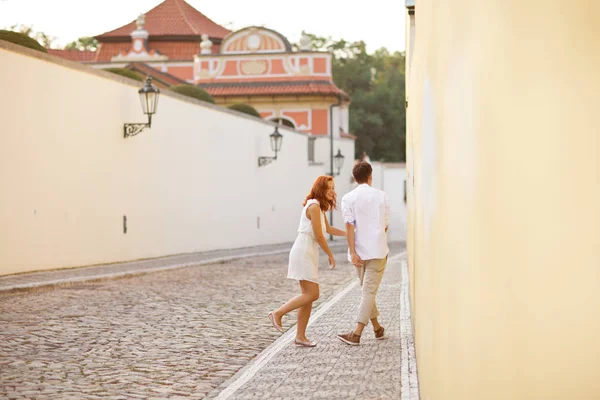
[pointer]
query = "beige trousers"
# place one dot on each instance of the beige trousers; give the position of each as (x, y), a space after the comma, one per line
(370, 275)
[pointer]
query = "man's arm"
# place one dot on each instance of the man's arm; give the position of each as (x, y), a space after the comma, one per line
(350, 238)
(349, 219)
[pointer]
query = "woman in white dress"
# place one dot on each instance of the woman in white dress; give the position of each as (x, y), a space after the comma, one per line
(304, 256)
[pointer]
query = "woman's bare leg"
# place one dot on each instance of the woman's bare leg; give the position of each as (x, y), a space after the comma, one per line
(303, 316)
(304, 311)
(310, 293)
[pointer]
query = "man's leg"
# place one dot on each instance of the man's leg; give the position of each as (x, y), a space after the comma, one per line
(375, 313)
(370, 279)
(375, 323)
(360, 271)
(368, 309)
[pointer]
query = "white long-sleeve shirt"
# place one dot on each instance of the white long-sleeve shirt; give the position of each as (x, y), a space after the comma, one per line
(368, 210)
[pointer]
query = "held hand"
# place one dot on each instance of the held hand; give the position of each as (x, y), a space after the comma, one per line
(356, 260)
(332, 262)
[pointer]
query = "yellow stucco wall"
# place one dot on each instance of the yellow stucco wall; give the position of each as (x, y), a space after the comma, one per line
(504, 232)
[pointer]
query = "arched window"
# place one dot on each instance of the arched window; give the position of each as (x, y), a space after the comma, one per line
(284, 122)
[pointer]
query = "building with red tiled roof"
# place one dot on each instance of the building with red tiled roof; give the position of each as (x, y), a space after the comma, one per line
(258, 66)
(171, 19)
(274, 88)
(167, 37)
(175, 43)
(159, 79)
(84, 56)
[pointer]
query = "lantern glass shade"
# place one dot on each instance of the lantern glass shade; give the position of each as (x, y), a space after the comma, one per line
(276, 139)
(149, 97)
(339, 160)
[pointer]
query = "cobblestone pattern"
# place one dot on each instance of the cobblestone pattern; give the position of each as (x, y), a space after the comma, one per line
(173, 334)
(334, 370)
(48, 279)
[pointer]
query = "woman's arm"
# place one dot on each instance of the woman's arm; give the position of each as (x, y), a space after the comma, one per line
(334, 231)
(314, 214)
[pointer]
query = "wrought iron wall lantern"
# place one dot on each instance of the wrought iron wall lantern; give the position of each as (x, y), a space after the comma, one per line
(149, 98)
(339, 161)
(276, 139)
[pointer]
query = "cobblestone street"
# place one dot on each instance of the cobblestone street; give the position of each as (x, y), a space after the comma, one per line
(172, 334)
(377, 369)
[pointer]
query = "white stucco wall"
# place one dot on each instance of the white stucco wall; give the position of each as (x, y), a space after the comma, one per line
(390, 178)
(393, 178)
(191, 183)
(345, 118)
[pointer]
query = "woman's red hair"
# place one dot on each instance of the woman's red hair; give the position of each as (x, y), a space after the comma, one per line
(318, 191)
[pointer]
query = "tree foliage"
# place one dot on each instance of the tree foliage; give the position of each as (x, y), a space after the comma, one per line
(22, 40)
(83, 43)
(245, 108)
(193, 91)
(126, 73)
(375, 83)
(41, 37)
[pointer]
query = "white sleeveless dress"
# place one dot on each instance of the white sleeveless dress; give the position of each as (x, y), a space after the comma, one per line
(304, 256)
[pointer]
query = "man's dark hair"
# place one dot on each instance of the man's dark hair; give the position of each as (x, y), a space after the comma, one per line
(362, 171)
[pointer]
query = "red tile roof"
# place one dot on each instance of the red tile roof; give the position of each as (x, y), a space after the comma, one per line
(347, 135)
(163, 77)
(273, 88)
(171, 18)
(176, 51)
(75, 55)
(106, 51)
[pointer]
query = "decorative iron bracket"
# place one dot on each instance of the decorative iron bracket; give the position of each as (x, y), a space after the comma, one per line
(262, 161)
(133, 129)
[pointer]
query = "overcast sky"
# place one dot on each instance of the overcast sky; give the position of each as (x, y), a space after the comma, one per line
(380, 23)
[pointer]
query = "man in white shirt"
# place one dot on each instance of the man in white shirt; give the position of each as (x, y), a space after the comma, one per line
(366, 214)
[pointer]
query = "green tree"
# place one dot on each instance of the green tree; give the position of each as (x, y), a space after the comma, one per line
(83, 43)
(245, 108)
(43, 38)
(125, 72)
(21, 39)
(193, 91)
(375, 82)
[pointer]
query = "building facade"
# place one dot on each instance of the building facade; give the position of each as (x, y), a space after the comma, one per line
(175, 43)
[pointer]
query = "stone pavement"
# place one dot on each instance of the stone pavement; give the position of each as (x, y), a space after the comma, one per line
(49, 279)
(383, 369)
(179, 333)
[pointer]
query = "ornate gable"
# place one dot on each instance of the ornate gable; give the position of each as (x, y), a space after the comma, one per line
(255, 40)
